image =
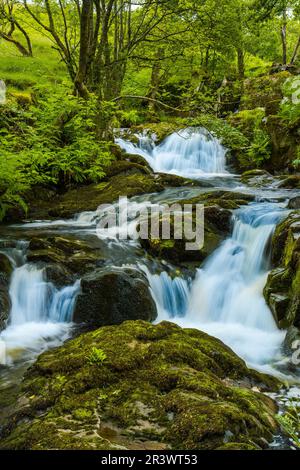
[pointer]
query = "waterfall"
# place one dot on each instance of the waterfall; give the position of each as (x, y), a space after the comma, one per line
(40, 313)
(192, 153)
(226, 297)
(170, 295)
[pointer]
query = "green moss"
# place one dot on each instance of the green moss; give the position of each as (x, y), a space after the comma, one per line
(160, 385)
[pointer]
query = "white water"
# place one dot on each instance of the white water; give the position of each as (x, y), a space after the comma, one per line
(41, 315)
(192, 153)
(226, 297)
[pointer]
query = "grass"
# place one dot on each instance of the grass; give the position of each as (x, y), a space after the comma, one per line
(23, 73)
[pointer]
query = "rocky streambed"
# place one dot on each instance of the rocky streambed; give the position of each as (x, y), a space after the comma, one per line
(169, 384)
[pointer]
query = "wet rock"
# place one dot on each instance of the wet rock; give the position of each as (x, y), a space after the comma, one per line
(6, 269)
(175, 181)
(65, 255)
(111, 297)
(160, 130)
(126, 168)
(141, 386)
(282, 291)
(257, 178)
(291, 182)
(294, 203)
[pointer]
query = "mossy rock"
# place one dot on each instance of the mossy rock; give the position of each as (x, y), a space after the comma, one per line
(124, 167)
(174, 248)
(282, 291)
(141, 386)
(63, 256)
(265, 92)
(90, 197)
(257, 178)
(290, 182)
(160, 129)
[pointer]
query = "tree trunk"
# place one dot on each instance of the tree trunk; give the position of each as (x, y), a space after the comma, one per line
(296, 52)
(241, 64)
(155, 81)
(86, 28)
(283, 38)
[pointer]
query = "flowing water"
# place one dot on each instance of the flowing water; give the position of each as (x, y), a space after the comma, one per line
(191, 152)
(223, 297)
(226, 297)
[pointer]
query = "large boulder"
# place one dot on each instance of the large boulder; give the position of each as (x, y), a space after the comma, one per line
(113, 296)
(6, 269)
(282, 291)
(141, 387)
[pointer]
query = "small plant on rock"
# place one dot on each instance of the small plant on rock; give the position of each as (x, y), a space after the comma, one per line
(97, 356)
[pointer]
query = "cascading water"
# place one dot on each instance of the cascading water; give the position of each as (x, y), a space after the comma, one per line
(40, 314)
(225, 299)
(192, 152)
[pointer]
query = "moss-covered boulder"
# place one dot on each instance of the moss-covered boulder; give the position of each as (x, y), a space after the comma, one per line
(294, 203)
(90, 197)
(109, 297)
(257, 178)
(63, 258)
(265, 92)
(217, 222)
(140, 386)
(290, 182)
(64, 255)
(282, 291)
(6, 269)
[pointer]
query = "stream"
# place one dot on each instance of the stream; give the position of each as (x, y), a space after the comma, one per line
(223, 296)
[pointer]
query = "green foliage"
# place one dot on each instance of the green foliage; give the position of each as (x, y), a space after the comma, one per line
(290, 106)
(97, 356)
(296, 162)
(230, 136)
(51, 142)
(258, 147)
(290, 424)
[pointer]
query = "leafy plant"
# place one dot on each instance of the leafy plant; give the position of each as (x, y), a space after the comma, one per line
(52, 141)
(290, 106)
(290, 424)
(97, 356)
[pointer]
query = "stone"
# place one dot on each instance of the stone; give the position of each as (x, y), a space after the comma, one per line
(113, 296)
(282, 291)
(63, 256)
(139, 386)
(6, 269)
(294, 203)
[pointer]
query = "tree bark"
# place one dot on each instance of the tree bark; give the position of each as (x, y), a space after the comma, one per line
(241, 64)
(86, 32)
(283, 38)
(296, 52)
